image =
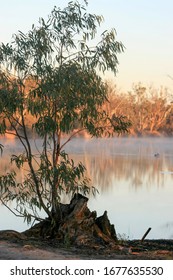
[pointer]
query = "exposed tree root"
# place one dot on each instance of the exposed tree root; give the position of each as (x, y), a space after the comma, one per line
(77, 226)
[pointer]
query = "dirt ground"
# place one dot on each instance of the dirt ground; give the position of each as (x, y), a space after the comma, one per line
(15, 246)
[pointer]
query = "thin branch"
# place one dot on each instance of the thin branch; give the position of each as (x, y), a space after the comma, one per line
(21, 216)
(12, 133)
(32, 168)
(16, 121)
(32, 216)
(39, 153)
(71, 136)
(76, 54)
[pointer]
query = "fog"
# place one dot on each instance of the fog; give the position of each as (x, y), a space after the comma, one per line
(133, 176)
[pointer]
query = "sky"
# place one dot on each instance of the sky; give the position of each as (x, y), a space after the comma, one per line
(145, 27)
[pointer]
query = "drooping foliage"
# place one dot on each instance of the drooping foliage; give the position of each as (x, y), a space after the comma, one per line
(51, 74)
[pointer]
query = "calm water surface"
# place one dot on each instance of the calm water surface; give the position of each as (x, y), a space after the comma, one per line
(135, 186)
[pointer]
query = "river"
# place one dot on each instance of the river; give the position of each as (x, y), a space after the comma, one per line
(134, 177)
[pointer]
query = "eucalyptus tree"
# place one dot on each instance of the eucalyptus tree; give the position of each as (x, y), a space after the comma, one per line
(51, 74)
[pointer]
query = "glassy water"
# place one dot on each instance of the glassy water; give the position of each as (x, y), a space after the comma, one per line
(134, 177)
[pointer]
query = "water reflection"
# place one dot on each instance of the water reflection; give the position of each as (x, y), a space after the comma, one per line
(134, 185)
(130, 160)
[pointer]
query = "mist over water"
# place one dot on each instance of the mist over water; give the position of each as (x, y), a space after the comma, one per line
(134, 177)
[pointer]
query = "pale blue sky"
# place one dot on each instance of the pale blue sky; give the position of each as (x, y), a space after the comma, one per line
(144, 26)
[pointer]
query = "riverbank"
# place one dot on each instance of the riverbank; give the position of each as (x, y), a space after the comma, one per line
(16, 246)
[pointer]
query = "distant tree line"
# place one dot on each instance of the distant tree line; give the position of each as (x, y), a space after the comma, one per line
(149, 110)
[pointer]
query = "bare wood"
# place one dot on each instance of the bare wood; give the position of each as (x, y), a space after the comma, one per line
(146, 233)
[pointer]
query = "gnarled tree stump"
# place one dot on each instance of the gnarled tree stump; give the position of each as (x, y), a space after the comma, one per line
(77, 226)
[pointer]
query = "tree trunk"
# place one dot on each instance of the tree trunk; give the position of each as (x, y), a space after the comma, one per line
(78, 226)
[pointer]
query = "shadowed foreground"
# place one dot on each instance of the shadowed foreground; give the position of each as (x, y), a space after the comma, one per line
(16, 246)
(79, 234)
